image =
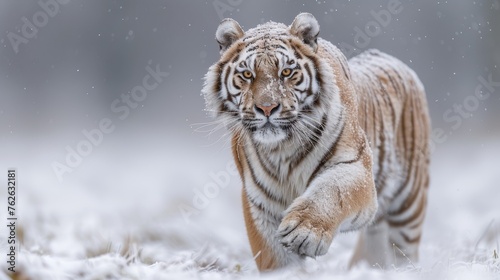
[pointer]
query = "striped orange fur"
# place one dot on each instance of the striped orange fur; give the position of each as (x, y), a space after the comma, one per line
(322, 144)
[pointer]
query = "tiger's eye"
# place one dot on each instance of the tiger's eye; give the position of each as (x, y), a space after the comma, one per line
(286, 72)
(247, 74)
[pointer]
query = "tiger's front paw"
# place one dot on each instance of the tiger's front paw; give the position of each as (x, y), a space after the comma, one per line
(304, 231)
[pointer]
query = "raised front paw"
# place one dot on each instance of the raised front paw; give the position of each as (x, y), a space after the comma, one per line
(306, 232)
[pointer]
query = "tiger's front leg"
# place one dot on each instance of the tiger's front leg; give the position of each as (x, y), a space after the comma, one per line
(342, 197)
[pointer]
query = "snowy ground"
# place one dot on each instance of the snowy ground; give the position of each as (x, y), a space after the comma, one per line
(113, 220)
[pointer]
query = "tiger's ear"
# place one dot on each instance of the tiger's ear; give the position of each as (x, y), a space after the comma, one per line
(306, 28)
(228, 32)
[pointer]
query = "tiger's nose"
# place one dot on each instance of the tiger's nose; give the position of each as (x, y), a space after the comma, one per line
(267, 108)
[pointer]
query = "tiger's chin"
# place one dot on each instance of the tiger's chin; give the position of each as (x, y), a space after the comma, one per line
(269, 136)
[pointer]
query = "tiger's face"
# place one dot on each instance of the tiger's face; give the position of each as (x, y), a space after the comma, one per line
(268, 81)
(268, 87)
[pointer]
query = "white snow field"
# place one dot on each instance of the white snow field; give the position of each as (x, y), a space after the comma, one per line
(118, 217)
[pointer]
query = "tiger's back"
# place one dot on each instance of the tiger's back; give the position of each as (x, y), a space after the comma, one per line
(392, 110)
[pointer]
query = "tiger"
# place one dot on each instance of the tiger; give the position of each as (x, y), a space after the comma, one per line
(323, 145)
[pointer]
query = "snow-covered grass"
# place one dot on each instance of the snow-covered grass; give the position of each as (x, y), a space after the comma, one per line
(116, 220)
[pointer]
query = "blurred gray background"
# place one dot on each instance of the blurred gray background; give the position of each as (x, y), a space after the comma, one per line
(88, 53)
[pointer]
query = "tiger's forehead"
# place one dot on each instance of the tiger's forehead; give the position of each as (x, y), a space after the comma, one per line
(270, 28)
(267, 37)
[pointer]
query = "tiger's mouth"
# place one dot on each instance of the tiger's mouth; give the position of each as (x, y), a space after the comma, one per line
(269, 131)
(254, 125)
(268, 125)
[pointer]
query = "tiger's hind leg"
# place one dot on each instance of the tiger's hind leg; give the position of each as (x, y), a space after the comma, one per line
(405, 219)
(373, 246)
(394, 239)
(385, 245)
(405, 227)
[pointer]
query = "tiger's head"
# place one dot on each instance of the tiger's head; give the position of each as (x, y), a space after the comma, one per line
(270, 81)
